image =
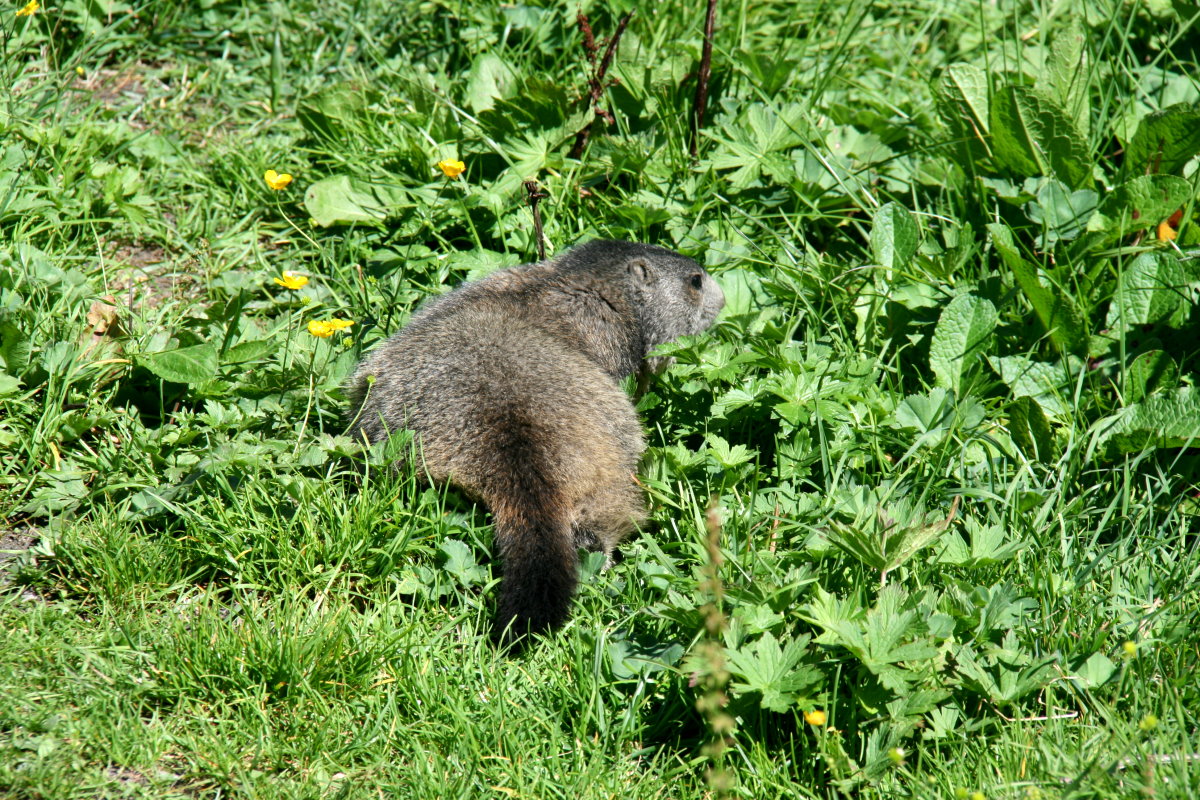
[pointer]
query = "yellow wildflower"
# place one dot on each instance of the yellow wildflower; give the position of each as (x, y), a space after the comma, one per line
(276, 180)
(324, 328)
(815, 718)
(1166, 233)
(1148, 723)
(1129, 649)
(290, 280)
(29, 9)
(451, 168)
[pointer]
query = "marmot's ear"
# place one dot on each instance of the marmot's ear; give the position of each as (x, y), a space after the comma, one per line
(639, 270)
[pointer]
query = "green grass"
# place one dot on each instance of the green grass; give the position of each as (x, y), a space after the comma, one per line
(947, 420)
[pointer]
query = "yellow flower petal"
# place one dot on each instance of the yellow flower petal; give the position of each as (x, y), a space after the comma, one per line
(277, 180)
(290, 280)
(815, 718)
(324, 328)
(1166, 233)
(451, 168)
(29, 9)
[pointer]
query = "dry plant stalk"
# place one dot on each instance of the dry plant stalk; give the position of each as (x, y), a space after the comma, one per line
(711, 675)
(700, 105)
(596, 81)
(535, 195)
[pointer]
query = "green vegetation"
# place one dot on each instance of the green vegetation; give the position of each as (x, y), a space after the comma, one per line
(947, 421)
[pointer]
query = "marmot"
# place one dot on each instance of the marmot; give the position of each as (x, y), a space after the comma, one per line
(510, 385)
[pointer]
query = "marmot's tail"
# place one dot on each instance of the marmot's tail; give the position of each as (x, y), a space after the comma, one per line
(541, 564)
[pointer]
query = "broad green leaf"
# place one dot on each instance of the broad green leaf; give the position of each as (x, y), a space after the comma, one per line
(1137, 204)
(459, 561)
(1051, 385)
(964, 88)
(1165, 140)
(191, 365)
(1149, 372)
(634, 660)
(1067, 72)
(1152, 290)
(962, 103)
(1032, 135)
(1161, 420)
(962, 332)
(491, 79)
(1056, 309)
(334, 113)
(8, 385)
(248, 351)
(341, 200)
(1029, 429)
(894, 236)
(744, 293)
(15, 347)
(1094, 672)
(1063, 214)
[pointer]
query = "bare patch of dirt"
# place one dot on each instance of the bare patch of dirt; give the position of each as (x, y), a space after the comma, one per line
(14, 542)
(127, 777)
(147, 276)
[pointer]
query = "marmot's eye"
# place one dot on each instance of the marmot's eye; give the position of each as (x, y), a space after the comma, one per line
(697, 281)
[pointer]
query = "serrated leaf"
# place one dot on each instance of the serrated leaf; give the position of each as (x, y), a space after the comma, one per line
(962, 332)
(191, 365)
(1162, 420)
(774, 671)
(341, 200)
(894, 236)
(927, 413)
(1032, 135)
(1056, 310)
(1149, 372)
(1165, 140)
(460, 562)
(1151, 291)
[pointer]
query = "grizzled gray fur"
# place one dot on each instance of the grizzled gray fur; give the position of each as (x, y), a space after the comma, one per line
(511, 386)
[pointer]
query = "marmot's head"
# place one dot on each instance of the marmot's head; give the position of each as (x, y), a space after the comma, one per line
(670, 294)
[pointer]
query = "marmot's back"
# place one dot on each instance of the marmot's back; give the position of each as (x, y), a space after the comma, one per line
(511, 387)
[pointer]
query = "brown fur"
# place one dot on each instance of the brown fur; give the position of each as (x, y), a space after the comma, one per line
(511, 386)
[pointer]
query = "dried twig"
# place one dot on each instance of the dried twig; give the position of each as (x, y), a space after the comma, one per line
(701, 102)
(535, 195)
(596, 81)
